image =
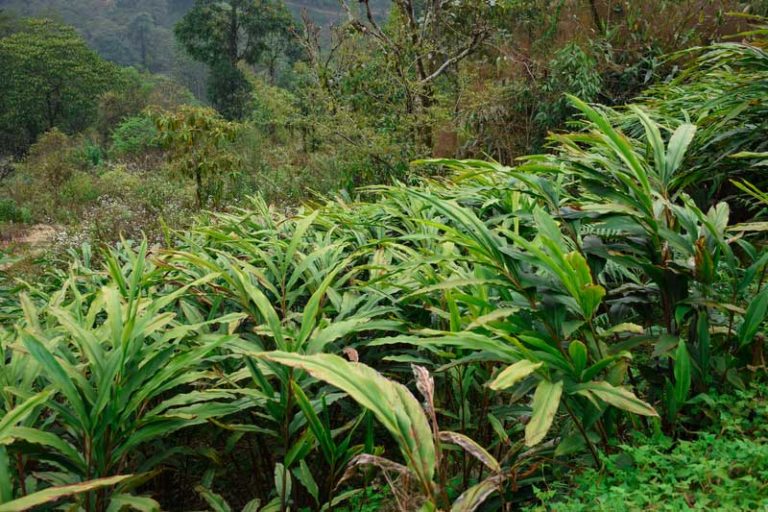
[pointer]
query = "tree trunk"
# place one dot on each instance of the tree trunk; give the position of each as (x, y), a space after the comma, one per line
(596, 15)
(234, 27)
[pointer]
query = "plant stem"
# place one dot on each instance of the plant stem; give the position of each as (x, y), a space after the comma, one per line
(578, 424)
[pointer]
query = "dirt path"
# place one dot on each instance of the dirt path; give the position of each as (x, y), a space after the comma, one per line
(32, 235)
(25, 240)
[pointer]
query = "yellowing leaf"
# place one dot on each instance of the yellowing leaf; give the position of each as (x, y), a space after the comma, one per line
(616, 396)
(391, 402)
(513, 374)
(546, 400)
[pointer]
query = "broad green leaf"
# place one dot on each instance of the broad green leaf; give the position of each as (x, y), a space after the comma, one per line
(49, 440)
(682, 372)
(678, 145)
(304, 476)
(578, 352)
(19, 413)
(514, 374)
(215, 501)
(546, 401)
(616, 396)
(392, 404)
(472, 498)
(754, 317)
(283, 483)
(53, 494)
(121, 502)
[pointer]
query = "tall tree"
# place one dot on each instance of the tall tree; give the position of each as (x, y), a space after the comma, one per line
(424, 41)
(224, 34)
(50, 79)
(139, 31)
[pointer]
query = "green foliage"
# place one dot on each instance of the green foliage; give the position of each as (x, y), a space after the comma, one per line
(586, 315)
(223, 34)
(52, 80)
(132, 95)
(571, 71)
(229, 90)
(10, 211)
(120, 372)
(716, 471)
(198, 141)
(135, 136)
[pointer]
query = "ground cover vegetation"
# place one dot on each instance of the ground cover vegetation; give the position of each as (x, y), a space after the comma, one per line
(579, 327)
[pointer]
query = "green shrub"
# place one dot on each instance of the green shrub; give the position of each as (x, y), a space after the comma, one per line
(10, 211)
(135, 136)
(90, 154)
(52, 160)
(78, 190)
(118, 182)
(571, 71)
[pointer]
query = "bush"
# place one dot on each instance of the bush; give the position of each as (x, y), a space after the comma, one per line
(78, 190)
(91, 154)
(571, 71)
(134, 137)
(10, 211)
(52, 160)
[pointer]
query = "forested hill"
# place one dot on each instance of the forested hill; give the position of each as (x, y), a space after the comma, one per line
(140, 32)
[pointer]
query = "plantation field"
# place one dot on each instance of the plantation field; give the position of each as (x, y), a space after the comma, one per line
(578, 329)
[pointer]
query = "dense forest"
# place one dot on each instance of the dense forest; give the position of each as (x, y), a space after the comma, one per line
(406, 255)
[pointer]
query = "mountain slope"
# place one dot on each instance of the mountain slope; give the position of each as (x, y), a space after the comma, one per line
(122, 30)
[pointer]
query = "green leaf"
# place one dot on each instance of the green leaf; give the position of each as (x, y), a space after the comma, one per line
(578, 352)
(653, 135)
(121, 502)
(283, 483)
(55, 372)
(322, 434)
(616, 396)
(19, 413)
(56, 493)
(754, 317)
(215, 501)
(472, 498)
(682, 372)
(391, 402)
(678, 145)
(513, 374)
(49, 440)
(304, 476)
(473, 448)
(546, 401)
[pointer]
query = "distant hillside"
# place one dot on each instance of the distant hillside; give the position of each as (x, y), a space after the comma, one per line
(328, 12)
(140, 32)
(127, 32)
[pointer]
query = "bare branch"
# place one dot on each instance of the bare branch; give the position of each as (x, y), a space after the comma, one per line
(477, 39)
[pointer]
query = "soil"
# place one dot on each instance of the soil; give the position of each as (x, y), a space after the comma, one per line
(26, 235)
(19, 239)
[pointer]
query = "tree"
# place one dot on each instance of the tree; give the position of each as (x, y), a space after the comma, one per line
(224, 34)
(197, 141)
(139, 31)
(425, 40)
(50, 79)
(229, 90)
